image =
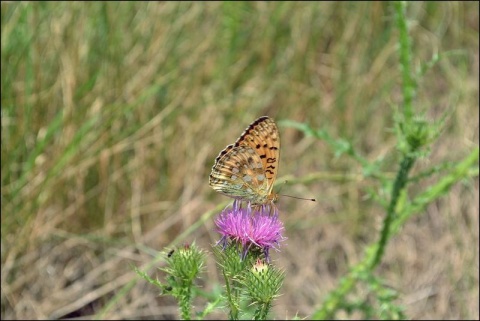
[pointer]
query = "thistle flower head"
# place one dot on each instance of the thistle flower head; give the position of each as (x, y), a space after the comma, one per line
(251, 227)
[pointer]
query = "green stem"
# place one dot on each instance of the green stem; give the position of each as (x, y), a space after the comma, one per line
(399, 184)
(409, 84)
(408, 160)
(262, 311)
(184, 302)
(233, 306)
(462, 170)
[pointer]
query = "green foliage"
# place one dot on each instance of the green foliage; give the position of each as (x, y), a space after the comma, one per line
(262, 284)
(183, 267)
(230, 262)
(185, 264)
(249, 282)
(255, 284)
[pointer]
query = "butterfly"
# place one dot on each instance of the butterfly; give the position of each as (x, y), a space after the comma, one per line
(247, 169)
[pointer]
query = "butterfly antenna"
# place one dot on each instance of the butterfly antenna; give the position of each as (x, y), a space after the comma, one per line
(299, 198)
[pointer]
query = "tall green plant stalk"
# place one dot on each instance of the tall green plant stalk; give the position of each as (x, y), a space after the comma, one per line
(413, 133)
(407, 129)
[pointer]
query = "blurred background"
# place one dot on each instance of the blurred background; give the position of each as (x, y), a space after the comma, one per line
(112, 115)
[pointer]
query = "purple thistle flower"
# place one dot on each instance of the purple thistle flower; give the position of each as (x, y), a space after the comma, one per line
(250, 227)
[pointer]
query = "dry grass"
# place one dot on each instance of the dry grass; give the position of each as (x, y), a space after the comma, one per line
(112, 115)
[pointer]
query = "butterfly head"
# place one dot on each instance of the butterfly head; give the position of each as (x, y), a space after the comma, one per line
(272, 197)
